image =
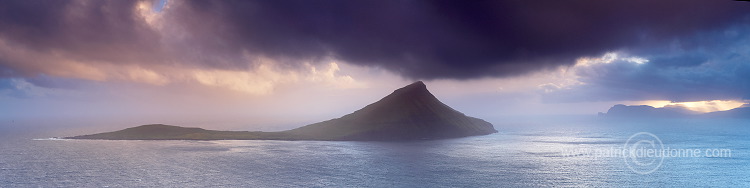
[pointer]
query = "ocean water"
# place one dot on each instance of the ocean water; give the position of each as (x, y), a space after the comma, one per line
(521, 156)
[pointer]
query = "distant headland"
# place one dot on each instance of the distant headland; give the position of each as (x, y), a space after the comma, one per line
(409, 113)
(644, 111)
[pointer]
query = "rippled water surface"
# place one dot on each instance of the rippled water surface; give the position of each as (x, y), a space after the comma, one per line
(518, 157)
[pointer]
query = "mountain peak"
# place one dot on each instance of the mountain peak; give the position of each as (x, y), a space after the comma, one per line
(416, 87)
(417, 84)
(409, 113)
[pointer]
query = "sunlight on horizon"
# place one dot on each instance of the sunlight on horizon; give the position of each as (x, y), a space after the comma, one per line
(698, 106)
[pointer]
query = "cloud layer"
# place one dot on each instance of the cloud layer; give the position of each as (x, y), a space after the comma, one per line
(696, 49)
(416, 39)
(450, 39)
(681, 71)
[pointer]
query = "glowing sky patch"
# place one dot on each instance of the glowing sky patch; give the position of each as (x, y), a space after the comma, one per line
(698, 106)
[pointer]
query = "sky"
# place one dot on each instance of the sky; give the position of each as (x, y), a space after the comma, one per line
(271, 65)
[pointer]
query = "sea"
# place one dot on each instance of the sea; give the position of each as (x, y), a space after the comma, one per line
(700, 153)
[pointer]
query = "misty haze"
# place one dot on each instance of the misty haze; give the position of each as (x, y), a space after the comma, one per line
(336, 93)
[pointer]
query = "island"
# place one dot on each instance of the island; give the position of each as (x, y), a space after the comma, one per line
(620, 111)
(409, 113)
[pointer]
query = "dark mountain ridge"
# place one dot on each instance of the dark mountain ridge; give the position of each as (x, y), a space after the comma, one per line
(411, 112)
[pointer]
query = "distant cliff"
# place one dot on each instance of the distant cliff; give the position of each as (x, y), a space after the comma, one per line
(409, 113)
(644, 111)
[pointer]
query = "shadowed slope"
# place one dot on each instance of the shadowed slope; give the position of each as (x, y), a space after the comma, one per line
(411, 112)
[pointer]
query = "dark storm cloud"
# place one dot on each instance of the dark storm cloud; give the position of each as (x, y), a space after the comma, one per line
(718, 70)
(415, 39)
(88, 31)
(451, 39)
